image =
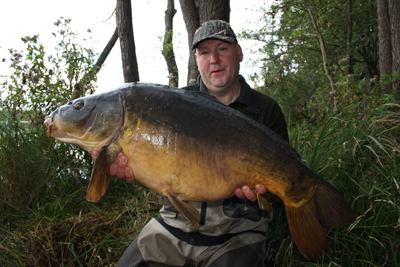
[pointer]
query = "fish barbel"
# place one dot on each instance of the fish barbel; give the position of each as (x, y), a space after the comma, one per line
(188, 147)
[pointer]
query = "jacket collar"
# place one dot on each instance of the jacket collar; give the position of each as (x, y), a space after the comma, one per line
(245, 90)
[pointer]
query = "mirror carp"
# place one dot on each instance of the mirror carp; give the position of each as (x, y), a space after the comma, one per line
(189, 147)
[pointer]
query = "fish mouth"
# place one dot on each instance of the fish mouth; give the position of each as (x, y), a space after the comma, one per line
(51, 127)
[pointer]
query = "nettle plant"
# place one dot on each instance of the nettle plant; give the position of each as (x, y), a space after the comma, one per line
(44, 78)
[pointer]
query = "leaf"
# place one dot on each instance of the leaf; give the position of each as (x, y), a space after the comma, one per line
(395, 75)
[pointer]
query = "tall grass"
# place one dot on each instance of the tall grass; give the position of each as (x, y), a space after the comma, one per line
(356, 149)
(44, 217)
(88, 235)
(34, 167)
(73, 232)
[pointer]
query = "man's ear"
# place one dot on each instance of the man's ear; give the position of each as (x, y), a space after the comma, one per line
(195, 57)
(240, 52)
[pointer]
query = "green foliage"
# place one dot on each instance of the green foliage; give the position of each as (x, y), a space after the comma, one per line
(292, 69)
(395, 76)
(357, 149)
(42, 81)
(45, 219)
(36, 169)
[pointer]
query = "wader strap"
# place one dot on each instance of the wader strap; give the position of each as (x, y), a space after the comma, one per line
(203, 213)
(198, 239)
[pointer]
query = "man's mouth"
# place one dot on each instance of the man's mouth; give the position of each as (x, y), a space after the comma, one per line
(217, 71)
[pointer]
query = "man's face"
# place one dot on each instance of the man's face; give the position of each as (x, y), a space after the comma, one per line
(218, 63)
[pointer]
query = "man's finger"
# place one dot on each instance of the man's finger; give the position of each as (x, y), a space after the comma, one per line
(129, 176)
(260, 188)
(94, 154)
(115, 165)
(121, 167)
(249, 193)
(239, 193)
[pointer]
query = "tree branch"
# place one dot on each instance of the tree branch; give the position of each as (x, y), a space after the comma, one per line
(88, 77)
(324, 57)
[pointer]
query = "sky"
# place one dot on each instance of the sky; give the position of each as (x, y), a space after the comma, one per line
(26, 17)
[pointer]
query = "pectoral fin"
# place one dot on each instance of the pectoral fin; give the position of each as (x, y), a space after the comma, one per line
(101, 172)
(190, 213)
(112, 153)
(263, 203)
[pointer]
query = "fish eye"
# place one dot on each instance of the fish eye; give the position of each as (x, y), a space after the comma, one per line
(79, 105)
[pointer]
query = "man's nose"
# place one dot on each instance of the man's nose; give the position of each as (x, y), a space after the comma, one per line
(214, 57)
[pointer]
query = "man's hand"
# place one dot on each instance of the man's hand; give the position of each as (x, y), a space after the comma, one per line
(246, 192)
(119, 168)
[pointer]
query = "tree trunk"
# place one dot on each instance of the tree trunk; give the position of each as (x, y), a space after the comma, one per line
(192, 22)
(214, 9)
(195, 13)
(394, 11)
(168, 49)
(385, 43)
(126, 40)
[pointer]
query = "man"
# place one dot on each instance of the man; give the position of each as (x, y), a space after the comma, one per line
(232, 231)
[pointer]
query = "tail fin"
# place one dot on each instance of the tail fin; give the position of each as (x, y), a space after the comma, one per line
(333, 209)
(308, 223)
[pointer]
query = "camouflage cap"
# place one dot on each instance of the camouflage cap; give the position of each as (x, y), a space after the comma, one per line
(214, 29)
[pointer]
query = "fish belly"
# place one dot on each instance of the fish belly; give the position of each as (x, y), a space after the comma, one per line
(194, 170)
